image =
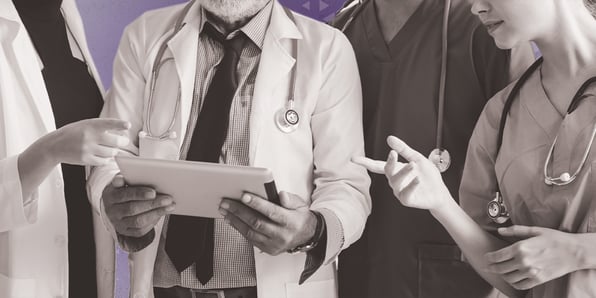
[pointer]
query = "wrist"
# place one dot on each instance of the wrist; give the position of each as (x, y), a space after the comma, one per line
(445, 209)
(315, 233)
(45, 148)
(41, 153)
(584, 250)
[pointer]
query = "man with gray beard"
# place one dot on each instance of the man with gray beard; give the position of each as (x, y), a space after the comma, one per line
(240, 82)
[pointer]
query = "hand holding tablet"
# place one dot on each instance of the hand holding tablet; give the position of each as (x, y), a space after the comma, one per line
(197, 188)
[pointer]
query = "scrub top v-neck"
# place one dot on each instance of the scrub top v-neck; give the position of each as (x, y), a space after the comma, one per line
(388, 51)
(404, 252)
(74, 95)
(531, 127)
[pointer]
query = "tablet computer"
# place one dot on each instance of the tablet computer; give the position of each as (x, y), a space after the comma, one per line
(198, 187)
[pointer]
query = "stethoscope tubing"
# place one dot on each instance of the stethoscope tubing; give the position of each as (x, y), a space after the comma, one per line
(159, 62)
(443, 76)
(155, 69)
(577, 98)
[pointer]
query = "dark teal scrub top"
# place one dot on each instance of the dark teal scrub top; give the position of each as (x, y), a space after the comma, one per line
(405, 252)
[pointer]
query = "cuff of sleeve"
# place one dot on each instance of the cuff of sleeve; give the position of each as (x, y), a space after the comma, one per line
(97, 181)
(316, 256)
(135, 244)
(18, 211)
(335, 235)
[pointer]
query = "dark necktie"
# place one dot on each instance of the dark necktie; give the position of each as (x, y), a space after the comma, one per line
(190, 239)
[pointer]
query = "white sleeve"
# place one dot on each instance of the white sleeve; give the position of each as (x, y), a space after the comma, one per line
(123, 101)
(15, 210)
(341, 186)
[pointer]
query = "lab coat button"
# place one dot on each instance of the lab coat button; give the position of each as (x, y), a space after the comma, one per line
(60, 241)
(59, 183)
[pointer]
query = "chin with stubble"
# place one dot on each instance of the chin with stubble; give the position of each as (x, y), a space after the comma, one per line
(231, 11)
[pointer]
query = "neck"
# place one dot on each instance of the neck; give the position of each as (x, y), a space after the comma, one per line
(570, 48)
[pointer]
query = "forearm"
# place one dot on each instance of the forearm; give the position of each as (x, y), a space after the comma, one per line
(34, 165)
(474, 243)
(585, 250)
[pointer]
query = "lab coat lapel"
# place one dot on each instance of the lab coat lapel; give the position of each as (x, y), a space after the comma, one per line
(276, 62)
(75, 25)
(18, 43)
(184, 47)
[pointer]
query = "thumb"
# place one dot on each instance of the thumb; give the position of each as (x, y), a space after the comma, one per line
(523, 232)
(118, 181)
(290, 201)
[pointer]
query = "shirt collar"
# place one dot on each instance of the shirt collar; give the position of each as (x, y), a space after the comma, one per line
(255, 29)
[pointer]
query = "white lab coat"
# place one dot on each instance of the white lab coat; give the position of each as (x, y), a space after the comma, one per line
(33, 238)
(312, 162)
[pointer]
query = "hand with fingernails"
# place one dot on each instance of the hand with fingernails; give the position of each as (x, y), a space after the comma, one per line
(134, 210)
(91, 142)
(417, 184)
(271, 228)
(540, 255)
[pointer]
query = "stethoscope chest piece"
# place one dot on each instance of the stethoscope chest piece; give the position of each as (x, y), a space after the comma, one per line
(441, 158)
(496, 209)
(286, 118)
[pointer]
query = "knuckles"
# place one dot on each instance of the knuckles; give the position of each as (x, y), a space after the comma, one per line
(256, 223)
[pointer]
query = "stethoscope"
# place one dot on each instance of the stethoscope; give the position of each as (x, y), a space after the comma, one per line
(287, 118)
(496, 208)
(439, 156)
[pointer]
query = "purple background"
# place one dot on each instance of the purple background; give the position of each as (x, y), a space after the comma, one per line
(105, 20)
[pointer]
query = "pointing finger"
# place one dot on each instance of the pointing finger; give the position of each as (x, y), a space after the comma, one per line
(404, 150)
(374, 166)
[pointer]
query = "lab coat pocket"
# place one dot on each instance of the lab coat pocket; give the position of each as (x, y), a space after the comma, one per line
(17, 287)
(313, 289)
(443, 273)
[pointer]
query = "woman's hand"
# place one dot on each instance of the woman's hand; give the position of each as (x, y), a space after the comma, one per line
(417, 184)
(90, 142)
(543, 255)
